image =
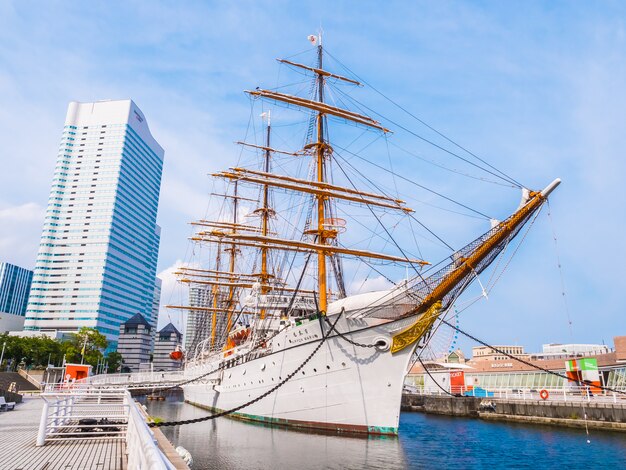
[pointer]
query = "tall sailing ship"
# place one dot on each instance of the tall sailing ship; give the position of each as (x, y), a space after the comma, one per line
(286, 342)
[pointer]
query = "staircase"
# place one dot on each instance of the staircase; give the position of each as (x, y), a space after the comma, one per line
(21, 384)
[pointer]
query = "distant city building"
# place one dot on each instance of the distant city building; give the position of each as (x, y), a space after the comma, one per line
(490, 354)
(96, 265)
(555, 350)
(492, 371)
(14, 288)
(134, 343)
(200, 323)
(167, 341)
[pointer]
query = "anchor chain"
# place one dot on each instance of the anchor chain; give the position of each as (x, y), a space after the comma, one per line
(260, 397)
(343, 336)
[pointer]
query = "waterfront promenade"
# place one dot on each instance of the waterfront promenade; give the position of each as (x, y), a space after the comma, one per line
(18, 435)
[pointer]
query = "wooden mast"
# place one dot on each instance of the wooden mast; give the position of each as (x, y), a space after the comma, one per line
(215, 293)
(231, 268)
(265, 215)
(321, 199)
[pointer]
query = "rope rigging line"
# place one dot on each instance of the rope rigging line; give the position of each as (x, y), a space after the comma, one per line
(260, 397)
(504, 176)
(433, 379)
(528, 363)
(452, 170)
(414, 183)
(558, 262)
(428, 141)
(410, 215)
(383, 226)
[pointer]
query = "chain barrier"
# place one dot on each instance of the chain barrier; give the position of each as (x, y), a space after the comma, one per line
(260, 397)
(343, 336)
(530, 364)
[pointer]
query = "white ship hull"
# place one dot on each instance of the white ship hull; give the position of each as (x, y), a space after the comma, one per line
(342, 388)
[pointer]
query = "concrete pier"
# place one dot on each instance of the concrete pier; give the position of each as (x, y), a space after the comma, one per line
(600, 414)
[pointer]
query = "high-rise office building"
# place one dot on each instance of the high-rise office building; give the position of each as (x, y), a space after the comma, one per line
(199, 324)
(198, 321)
(14, 288)
(97, 258)
(156, 305)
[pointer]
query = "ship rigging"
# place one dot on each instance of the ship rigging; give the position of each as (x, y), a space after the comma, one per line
(277, 264)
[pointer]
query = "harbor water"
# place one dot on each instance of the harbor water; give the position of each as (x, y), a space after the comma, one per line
(424, 441)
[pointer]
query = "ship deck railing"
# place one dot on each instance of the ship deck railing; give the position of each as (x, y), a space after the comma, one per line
(79, 412)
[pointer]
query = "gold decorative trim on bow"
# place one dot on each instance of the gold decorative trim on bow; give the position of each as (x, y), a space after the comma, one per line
(413, 333)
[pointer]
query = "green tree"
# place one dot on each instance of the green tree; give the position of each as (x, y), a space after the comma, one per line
(91, 340)
(32, 352)
(114, 360)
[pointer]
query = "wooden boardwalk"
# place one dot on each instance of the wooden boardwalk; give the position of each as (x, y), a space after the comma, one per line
(18, 433)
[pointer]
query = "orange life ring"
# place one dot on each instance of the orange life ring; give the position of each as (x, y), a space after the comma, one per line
(544, 394)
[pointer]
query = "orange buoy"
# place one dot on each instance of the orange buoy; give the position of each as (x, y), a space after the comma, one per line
(239, 335)
(177, 354)
(544, 394)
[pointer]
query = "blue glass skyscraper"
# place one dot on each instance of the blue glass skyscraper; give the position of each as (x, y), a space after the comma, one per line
(14, 288)
(97, 258)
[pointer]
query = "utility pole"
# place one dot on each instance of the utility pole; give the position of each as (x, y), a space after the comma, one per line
(4, 345)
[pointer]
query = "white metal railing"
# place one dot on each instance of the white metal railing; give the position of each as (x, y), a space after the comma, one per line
(141, 446)
(29, 377)
(135, 379)
(82, 413)
(569, 394)
(77, 411)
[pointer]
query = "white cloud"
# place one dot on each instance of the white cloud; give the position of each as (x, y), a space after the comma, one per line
(369, 284)
(173, 293)
(538, 93)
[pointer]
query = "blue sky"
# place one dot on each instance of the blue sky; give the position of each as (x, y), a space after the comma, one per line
(536, 88)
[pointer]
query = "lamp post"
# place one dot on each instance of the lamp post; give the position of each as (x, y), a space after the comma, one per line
(4, 345)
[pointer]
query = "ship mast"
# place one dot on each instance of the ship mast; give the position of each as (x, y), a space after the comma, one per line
(215, 292)
(323, 231)
(265, 215)
(321, 199)
(231, 267)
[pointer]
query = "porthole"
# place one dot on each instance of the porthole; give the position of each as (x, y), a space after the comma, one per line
(343, 364)
(314, 370)
(328, 367)
(381, 343)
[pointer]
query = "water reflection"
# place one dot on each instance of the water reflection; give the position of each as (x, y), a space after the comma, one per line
(425, 441)
(227, 443)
